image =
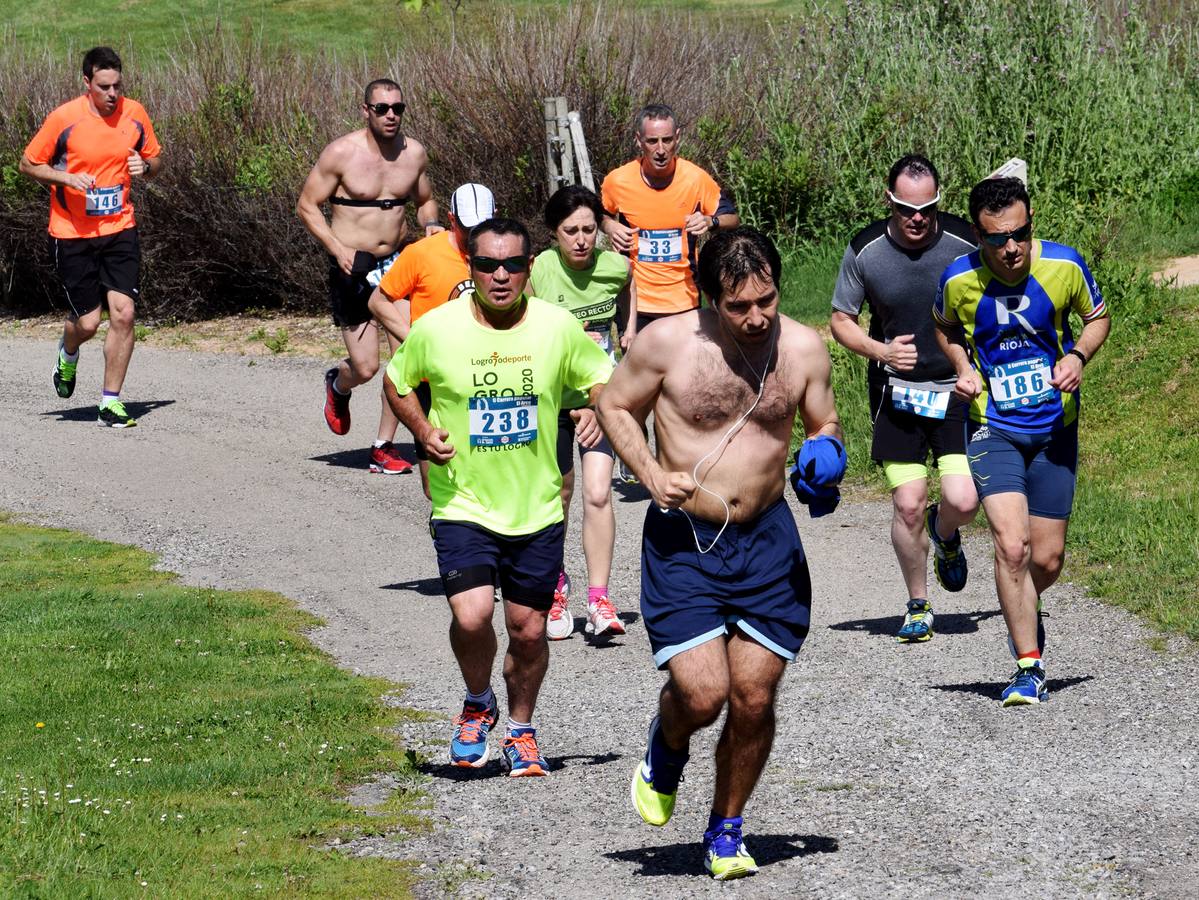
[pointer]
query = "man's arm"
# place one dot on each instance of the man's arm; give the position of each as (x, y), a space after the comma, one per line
(318, 187)
(394, 315)
(45, 174)
(407, 410)
(817, 408)
(635, 385)
(426, 209)
(1067, 373)
(900, 354)
(953, 345)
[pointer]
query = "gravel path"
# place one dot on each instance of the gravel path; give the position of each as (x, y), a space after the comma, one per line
(894, 773)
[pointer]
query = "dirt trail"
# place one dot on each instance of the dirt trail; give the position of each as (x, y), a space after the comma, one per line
(1185, 269)
(894, 771)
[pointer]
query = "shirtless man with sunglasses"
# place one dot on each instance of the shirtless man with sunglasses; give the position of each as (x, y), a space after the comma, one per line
(367, 177)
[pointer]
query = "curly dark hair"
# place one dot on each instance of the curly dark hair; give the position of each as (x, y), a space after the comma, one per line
(731, 257)
(992, 195)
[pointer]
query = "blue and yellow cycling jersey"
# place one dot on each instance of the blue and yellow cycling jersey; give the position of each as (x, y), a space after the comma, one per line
(1016, 333)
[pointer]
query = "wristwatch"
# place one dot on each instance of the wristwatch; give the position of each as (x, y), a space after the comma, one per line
(715, 223)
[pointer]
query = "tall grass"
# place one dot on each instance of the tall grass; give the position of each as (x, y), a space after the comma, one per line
(798, 116)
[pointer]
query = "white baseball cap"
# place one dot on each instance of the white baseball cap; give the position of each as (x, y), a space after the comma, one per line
(472, 204)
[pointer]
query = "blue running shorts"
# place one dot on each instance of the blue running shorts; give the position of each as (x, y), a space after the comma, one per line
(524, 566)
(755, 579)
(1042, 467)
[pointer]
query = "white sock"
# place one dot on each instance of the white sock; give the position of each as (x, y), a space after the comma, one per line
(106, 398)
(379, 444)
(67, 357)
(483, 699)
(513, 725)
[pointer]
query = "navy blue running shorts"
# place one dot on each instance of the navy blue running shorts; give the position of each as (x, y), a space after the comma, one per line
(566, 443)
(1042, 467)
(755, 579)
(524, 566)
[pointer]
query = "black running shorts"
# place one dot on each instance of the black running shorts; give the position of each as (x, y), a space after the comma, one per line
(91, 267)
(905, 437)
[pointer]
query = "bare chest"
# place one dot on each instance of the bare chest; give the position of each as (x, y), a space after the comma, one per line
(711, 396)
(369, 176)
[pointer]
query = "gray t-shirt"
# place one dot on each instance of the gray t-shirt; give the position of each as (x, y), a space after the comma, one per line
(899, 285)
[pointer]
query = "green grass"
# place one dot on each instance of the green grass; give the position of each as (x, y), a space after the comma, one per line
(162, 740)
(1136, 514)
(365, 27)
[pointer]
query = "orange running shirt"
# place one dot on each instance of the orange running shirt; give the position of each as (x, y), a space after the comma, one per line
(74, 139)
(429, 272)
(663, 254)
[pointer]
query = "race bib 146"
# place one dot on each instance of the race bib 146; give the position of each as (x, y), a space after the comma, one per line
(930, 404)
(108, 201)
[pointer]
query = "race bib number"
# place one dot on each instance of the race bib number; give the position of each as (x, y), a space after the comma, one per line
(1021, 384)
(107, 201)
(375, 275)
(930, 404)
(502, 421)
(660, 245)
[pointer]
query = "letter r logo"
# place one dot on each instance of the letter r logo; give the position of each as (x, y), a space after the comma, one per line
(1010, 307)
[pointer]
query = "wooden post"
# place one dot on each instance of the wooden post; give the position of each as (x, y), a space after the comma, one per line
(568, 156)
(582, 157)
(552, 144)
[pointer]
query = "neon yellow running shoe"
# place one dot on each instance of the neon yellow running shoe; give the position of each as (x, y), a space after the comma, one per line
(656, 779)
(114, 415)
(725, 856)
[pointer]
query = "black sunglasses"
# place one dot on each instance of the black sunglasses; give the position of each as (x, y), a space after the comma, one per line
(380, 109)
(1000, 238)
(489, 264)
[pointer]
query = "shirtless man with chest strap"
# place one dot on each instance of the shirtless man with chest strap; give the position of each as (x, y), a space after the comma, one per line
(725, 590)
(367, 177)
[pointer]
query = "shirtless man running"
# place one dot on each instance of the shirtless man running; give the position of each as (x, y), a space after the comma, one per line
(725, 592)
(367, 177)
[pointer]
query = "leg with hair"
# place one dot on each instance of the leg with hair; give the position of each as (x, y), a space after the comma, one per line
(695, 693)
(1008, 516)
(388, 423)
(741, 753)
(527, 659)
(118, 343)
(599, 519)
(472, 636)
(958, 505)
(567, 494)
(362, 345)
(908, 537)
(77, 332)
(1048, 552)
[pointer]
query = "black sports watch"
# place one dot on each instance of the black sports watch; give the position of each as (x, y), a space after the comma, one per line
(715, 223)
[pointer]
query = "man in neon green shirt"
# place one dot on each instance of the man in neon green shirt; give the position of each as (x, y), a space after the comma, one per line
(497, 363)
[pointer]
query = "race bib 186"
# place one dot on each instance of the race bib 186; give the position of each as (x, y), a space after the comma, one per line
(106, 201)
(502, 421)
(930, 404)
(1021, 384)
(660, 245)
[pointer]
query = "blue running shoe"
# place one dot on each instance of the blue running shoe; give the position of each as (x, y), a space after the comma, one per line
(725, 856)
(468, 747)
(522, 757)
(917, 623)
(655, 785)
(1028, 684)
(949, 560)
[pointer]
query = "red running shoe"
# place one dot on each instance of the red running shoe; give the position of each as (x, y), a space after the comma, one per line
(387, 460)
(337, 406)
